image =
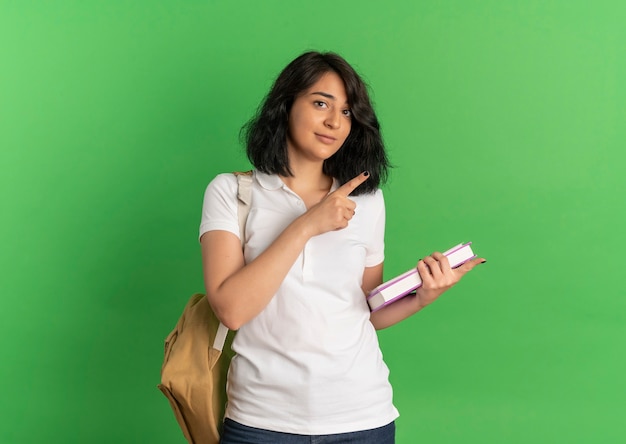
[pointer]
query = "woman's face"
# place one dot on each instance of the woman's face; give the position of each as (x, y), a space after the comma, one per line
(319, 121)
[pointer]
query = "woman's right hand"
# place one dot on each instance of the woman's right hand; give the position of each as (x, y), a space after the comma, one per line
(335, 210)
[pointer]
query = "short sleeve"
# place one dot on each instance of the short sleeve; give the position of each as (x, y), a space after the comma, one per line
(375, 253)
(219, 207)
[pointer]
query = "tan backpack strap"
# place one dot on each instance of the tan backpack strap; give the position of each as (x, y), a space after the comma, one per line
(244, 199)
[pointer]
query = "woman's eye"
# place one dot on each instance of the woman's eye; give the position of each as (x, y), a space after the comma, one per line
(320, 104)
(347, 113)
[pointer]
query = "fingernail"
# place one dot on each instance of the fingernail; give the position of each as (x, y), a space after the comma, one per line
(483, 262)
(366, 173)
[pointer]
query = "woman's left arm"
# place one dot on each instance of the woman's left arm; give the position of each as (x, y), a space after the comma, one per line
(437, 277)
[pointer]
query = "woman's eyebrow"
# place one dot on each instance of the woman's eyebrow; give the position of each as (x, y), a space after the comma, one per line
(324, 94)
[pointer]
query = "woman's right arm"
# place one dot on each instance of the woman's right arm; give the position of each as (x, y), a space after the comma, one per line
(237, 291)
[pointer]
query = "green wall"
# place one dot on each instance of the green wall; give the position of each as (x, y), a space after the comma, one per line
(505, 120)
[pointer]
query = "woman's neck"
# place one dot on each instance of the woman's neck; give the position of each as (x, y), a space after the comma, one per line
(310, 183)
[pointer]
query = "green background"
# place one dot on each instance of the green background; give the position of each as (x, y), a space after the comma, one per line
(505, 121)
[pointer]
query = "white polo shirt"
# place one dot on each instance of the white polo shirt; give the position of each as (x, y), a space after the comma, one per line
(310, 362)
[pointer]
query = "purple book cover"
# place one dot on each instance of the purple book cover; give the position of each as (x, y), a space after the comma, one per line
(411, 273)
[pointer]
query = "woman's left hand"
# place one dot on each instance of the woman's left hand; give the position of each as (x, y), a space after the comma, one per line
(437, 276)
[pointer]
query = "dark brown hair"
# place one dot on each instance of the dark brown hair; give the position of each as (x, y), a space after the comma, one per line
(265, 134)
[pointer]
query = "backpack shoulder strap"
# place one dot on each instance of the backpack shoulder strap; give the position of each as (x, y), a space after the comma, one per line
(244, 199)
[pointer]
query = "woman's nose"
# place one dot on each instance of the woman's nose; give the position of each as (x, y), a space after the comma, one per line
(333, 119)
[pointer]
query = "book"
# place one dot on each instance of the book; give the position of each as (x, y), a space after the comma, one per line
(407, 282)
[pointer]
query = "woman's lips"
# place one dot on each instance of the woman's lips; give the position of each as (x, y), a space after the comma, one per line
(328, 140)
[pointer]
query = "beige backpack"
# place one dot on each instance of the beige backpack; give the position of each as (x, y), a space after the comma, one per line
(198, 353)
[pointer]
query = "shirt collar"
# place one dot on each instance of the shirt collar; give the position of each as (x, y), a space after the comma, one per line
(268, 181)
(273, 182)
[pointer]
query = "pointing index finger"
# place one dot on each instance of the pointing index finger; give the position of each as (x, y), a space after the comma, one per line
(352, 184)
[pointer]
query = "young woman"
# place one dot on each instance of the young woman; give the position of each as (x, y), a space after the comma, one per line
(308, 362)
